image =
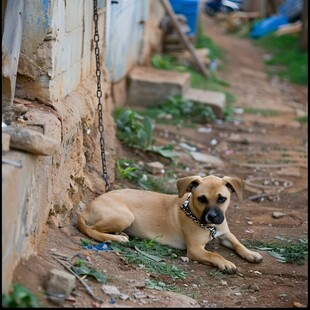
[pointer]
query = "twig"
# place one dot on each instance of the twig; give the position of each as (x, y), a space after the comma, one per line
(88, 289)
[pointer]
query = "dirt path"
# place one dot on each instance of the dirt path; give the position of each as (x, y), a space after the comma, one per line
(268, 152)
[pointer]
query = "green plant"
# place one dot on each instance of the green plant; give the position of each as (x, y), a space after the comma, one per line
(153, 249)
(129, 170)
(161, 286)
(203, 41)
(287, 60)
(284, 250)
(302, 119)
(167, 62)
(20, 297)
(182, 111)
(133, 129)
(263, 112)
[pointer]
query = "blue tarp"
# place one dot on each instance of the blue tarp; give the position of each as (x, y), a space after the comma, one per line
(288, 11)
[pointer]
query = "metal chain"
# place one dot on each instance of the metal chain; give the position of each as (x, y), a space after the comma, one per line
(99, 96)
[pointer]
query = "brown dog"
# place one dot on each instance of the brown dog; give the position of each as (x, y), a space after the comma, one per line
(188, 223)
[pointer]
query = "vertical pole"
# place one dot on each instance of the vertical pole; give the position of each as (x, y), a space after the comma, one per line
(304, 30)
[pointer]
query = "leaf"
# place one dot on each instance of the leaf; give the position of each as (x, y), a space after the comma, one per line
(278, 256)
(163, 151)
(153, 257)
(84, 270)
(261, 248)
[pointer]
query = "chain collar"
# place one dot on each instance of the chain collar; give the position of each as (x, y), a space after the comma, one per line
(188, 212)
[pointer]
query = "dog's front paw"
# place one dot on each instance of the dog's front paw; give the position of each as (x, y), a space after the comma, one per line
(253, 257)
(227, 267)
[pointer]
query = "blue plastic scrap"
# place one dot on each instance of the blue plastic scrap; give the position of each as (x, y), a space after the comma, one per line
(99, 247)
(289, 11)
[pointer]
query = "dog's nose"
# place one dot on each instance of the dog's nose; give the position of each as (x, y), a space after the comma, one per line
(212, 216)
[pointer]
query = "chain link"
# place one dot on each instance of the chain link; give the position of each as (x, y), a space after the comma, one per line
(99, 96)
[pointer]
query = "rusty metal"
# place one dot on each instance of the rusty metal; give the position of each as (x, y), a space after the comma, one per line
(99, 96)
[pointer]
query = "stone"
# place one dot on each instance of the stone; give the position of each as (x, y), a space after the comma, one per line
(205, 158)
(31, 141)
(60, 282)
(277, 215)
(111, 290)
(150, 87)
(155, 167)
(184, 259)
(215, 100)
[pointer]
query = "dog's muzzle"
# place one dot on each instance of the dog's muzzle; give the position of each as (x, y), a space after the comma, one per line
(212, 216)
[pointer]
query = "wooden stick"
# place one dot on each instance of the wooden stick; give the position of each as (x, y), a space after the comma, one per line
(184, 38)
(88, 289)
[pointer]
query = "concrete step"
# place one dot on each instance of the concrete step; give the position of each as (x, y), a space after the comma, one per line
(149, 86)
(216, 100)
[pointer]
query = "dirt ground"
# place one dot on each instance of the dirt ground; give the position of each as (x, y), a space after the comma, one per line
(258, 149)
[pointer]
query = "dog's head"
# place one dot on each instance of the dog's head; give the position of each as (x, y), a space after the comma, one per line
(210, 195)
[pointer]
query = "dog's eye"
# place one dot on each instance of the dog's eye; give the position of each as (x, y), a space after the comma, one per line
(221, 199)
(202, 199)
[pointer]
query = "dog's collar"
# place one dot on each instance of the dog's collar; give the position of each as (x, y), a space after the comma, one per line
(185, 207)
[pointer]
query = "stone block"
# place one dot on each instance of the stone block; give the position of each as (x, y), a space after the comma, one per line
(149, 86)
(31, 141)
(216, 100)
(60, 282)
(18, 205)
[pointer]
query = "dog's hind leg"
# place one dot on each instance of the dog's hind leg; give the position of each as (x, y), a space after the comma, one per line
(105, 228)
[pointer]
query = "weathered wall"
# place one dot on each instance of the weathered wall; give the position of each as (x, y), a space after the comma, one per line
(147, 15)
(56, 67)
(56, 50)
(57, 84)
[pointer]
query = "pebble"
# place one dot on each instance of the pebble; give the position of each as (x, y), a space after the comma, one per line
(254, 287)
(277, 215)
(111, 290)
(297, 304)
(184, 259)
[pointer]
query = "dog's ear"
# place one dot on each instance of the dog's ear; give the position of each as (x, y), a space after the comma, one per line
(235, 185)
(187, 184)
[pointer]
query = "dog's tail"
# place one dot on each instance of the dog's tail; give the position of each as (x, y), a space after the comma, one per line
(89, 231)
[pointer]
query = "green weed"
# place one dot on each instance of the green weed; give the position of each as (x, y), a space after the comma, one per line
(287, 59)
(217, 274)
(181, 111)
(136, 131)
(284, 250)
(263, 112)
(203, 41)
(303, 119)
(159, 252)
(20, 297)
(127, 169)
(133, 129)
